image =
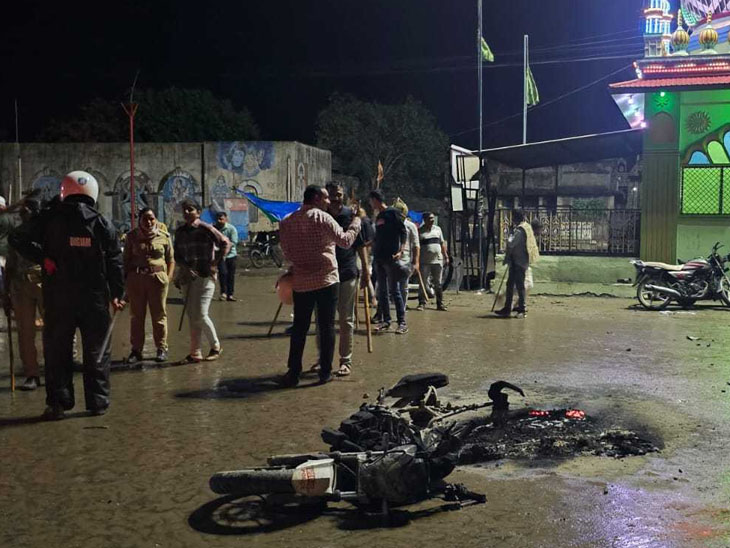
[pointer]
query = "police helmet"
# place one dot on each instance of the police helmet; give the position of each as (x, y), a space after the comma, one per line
(79, 183)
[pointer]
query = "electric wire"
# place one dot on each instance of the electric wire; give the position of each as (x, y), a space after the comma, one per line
(545, 103)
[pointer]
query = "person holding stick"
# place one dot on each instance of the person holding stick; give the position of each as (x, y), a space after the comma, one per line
(349, 274)
(434, 256)
(199, 247)
(411, 257)
(149, 267)
(308, 238)
(23, 285)
(78, 249)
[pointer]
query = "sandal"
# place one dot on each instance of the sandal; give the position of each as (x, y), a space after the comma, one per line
(190, 359)
(344, 370)
(315, 368)
(213, 354)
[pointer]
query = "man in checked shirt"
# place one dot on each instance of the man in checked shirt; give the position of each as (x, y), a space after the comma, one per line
(308, 239)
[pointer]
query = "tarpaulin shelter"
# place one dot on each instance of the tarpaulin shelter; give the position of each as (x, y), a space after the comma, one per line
(274, 210)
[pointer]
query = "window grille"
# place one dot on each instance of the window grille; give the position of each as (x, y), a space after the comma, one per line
(705, 191)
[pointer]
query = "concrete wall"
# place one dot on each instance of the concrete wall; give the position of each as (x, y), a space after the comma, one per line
(167, 173)
(697, 235)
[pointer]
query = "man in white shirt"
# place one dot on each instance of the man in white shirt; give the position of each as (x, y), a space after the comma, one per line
(434, 257)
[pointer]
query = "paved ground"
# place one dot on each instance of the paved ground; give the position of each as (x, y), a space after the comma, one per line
(138, 476)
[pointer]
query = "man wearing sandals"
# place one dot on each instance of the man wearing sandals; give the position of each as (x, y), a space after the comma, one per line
(349, 274)
(308, 239)
(199, 247)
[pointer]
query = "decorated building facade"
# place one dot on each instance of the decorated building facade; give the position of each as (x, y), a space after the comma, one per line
(681, 95)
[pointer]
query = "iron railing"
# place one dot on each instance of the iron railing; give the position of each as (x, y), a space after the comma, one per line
(568, 231)
(705, 190)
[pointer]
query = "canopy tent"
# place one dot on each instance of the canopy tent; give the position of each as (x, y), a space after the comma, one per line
(275, 211)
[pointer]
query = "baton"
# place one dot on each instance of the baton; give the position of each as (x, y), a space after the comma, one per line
(367, 318)
(276, 317)
(10, 351)
(496, 295)
(108, 335)
(423, 286)
(185, 307)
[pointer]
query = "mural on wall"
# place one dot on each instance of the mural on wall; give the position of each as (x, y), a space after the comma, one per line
(122, 202)
(711, 150)
(246, 159)
(175, 187)
(49, 184)
(243, 161)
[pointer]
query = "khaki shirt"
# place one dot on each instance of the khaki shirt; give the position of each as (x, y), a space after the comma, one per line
(141, 252)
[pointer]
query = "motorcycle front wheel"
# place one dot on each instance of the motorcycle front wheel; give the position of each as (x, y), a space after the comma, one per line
(652, 300)
(725, 290)
(257, 258)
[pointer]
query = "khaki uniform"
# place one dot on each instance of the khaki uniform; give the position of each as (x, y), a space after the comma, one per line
(145, 266)
(26, 295)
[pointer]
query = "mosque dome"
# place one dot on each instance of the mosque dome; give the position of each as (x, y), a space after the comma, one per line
(708, 36)
(680, 37)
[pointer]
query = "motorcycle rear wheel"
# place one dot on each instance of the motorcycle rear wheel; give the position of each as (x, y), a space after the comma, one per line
(651, 300)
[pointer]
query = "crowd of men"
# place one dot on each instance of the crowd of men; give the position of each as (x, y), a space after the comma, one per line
(65, 262)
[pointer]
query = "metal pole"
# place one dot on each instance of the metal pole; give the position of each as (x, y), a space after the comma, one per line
(132, 189)
(20, 162)
(480, 70)
(524, 92)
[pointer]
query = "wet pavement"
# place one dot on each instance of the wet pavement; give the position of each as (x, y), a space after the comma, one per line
(138, 476)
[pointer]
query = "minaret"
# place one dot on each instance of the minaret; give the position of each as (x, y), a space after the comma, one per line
(680, 38)
(657, 30)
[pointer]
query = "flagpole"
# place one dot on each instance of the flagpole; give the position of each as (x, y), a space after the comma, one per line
(20, 161)
(524, 88)
(480, 71)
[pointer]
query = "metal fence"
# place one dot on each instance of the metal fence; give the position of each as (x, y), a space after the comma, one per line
(580, 231)
(705, 190)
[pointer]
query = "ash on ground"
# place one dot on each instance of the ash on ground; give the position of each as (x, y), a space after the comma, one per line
(554, 434)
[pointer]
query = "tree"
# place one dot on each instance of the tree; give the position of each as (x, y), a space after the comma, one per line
(404, 138)
(168, 115)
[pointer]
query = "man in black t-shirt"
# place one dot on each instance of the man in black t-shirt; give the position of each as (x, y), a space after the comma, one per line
(349, 273)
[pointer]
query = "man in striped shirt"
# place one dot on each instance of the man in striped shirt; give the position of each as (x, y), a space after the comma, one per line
(308, 239)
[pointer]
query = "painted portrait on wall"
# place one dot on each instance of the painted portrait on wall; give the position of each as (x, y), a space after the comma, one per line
(122, 202)
(176, 186)
(246, 159)
(49, 186)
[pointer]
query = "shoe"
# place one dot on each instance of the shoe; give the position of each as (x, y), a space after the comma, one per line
(324, 379)
(442, 307)
(288, 380)
(376, 319)
(402, 329)
(135, 356)
(213, 354)
(53, 413)
(31, 383)
(161, 355)
(231, 299)
(191, 359)
(382, 328)
(289, 330)
(421, 307)
(222, 297)
(97, 412)
(503, 312)
(521, 313)
(345, 370)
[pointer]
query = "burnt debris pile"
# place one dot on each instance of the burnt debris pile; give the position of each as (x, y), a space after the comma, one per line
(555, 434)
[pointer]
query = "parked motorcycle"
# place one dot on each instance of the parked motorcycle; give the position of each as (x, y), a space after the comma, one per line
(658, 284)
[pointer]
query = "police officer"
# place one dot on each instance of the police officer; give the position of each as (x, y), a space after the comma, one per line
(82, 273)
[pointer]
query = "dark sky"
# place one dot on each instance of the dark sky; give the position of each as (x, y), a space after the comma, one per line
(283, 59)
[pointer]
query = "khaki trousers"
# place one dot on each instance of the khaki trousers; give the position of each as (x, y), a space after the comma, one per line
(27, 298)
(145, 290)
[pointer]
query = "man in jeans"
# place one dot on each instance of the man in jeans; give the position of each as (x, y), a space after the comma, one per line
(349, 274)
(227, 266)
(391, 237)
(308, 238)
(199, 247)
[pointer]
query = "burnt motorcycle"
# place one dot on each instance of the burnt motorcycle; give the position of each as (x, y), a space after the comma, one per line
(658, 284)
(390, 456)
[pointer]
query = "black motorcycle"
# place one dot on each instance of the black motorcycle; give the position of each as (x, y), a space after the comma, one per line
(658, 284)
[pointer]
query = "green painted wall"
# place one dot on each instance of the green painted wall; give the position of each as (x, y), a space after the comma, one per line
(702, 114)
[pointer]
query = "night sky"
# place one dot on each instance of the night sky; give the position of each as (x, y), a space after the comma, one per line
(283, 59)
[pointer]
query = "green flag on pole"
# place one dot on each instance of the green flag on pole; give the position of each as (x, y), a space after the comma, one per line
(487, 54)
(533, 95)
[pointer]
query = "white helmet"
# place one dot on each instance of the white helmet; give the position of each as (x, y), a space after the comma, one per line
(79, 182)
